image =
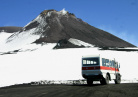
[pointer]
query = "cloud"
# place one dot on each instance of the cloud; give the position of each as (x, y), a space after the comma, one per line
(125, 35)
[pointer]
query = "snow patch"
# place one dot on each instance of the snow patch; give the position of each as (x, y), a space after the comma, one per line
(41, 21)
(63, 11)
(36, 19)
(79, 42)
(49, 13)
(4, 36)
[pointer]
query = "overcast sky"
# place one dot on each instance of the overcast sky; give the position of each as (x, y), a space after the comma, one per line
(119, 17)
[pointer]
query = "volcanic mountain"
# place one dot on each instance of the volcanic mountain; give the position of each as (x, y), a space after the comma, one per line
(63, 26)
(66, 30)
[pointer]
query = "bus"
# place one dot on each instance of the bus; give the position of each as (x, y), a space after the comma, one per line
(100, 68)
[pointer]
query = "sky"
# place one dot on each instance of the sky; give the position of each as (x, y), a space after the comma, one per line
(118, 17)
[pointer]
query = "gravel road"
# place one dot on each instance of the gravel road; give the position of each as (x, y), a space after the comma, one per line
(97, 90)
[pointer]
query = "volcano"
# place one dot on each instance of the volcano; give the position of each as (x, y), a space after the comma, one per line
(61, 27)
(64, 29)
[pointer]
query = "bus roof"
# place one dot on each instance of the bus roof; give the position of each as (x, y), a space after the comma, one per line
(101, 56)
(87, 56)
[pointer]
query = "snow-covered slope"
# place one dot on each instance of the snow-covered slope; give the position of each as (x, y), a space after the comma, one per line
(18, 40)
(4, 36)
(62, 64)
(24, 37)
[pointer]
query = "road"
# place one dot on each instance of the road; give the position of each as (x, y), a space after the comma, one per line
(97, 90)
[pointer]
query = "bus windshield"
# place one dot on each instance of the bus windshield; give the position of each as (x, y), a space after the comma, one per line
(90, 61)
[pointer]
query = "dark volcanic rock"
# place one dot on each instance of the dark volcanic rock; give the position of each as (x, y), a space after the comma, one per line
(10, 29)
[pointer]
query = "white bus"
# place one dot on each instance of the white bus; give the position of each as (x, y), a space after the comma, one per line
(98, 68)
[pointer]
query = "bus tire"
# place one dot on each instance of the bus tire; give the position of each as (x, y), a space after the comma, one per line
(102, 82)
(118, 79)
(89, 82)
(105, 81)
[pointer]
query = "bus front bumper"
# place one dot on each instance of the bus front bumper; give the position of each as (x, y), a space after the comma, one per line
(93, 77)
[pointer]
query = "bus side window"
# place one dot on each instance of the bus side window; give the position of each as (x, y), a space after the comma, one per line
(103, 62)
(117, 65)
(91, 62)
(107, 62)
(88, 62)
(84, 62)
(110, 63)
(113, 64)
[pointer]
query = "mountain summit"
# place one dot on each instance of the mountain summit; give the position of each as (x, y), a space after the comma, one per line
(63, 27)
(66, 30)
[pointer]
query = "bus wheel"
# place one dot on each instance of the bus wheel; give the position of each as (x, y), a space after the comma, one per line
(118, 79)
(89, 82)
(105, 81)
(102, 82)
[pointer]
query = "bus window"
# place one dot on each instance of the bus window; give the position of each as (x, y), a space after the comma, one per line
(107, 62)
(113, 64)
(90, 61)
(110, 63)
(116, 64)
(103, 62)
(94, 62)
(119, 65)
(84, 61)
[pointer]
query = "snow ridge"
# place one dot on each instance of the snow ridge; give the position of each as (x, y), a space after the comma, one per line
(63, 11)
(18, 40)
(79, 42)
(25, 37)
